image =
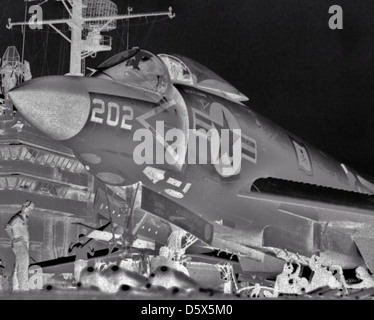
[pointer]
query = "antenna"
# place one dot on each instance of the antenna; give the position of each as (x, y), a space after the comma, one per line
(88, 18)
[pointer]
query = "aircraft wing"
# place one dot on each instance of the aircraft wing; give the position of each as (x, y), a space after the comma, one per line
(308, 219)
(210, 234)
(302, 222)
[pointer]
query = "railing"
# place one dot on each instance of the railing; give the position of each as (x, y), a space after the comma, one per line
(34, 155)
(47, 188)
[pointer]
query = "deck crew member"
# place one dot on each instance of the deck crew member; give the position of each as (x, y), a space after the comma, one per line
(17, 230)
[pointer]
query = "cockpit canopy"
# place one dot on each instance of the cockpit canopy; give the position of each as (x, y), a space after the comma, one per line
(139, 68)
(189, 72)
(143, 69)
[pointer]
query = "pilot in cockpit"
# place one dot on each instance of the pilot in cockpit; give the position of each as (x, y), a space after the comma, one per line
(139, 68)
(153, 71)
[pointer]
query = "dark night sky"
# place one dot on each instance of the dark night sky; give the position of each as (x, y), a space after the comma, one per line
(316, 82)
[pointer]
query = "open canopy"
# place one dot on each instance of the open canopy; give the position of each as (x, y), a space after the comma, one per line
(187, 71)
(157, 73)
(139, 68)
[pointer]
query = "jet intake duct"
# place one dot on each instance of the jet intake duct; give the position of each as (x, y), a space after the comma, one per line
(310, 192)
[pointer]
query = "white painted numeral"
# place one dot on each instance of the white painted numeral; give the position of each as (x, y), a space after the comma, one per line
(114, 114)
(110, 121)
(98, 110)
(129, 117)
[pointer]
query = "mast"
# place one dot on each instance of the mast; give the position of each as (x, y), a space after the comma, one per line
(76, 38)
(24, 36)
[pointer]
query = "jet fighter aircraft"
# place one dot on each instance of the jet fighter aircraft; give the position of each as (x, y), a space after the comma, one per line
(177, 128)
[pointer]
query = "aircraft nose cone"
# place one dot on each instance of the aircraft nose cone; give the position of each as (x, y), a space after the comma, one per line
(57, 106)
